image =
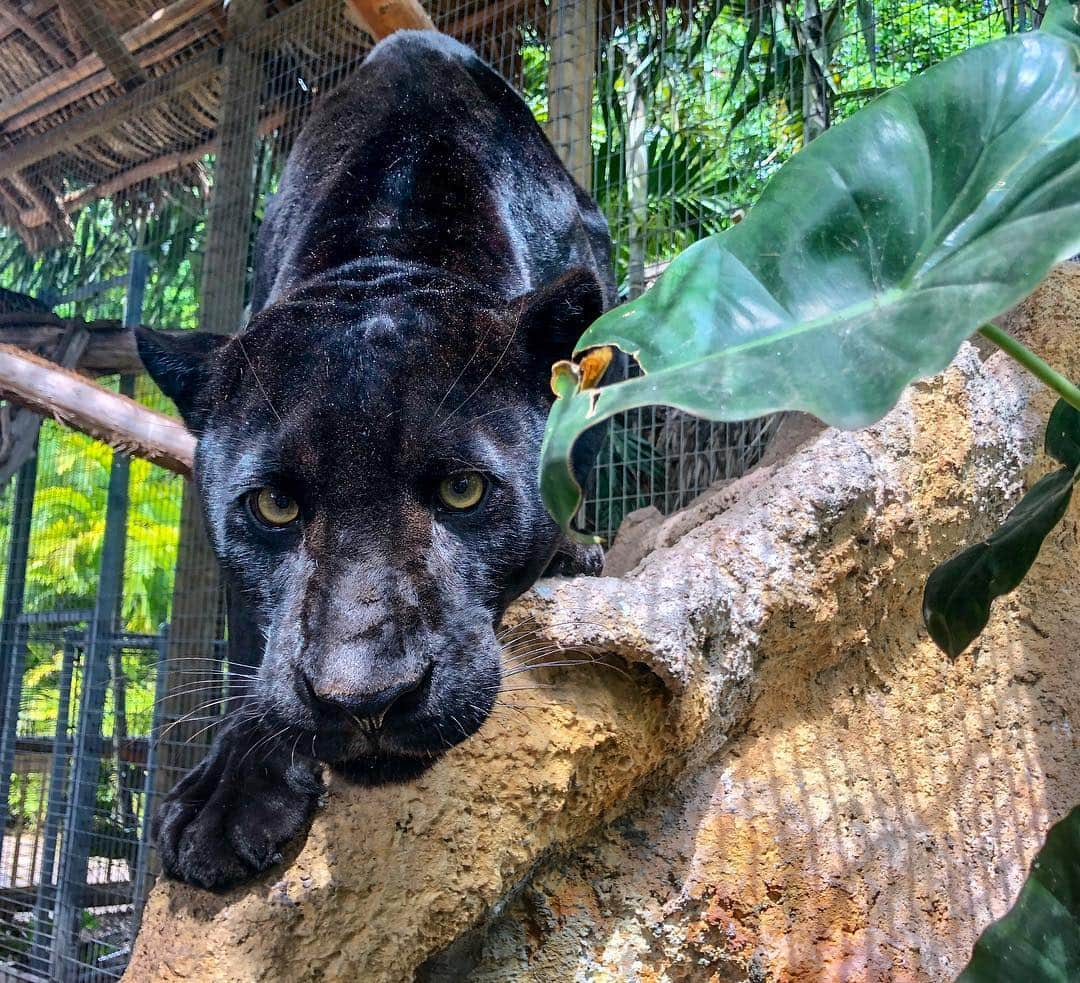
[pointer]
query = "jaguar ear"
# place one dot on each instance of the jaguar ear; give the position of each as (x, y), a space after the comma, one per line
(179, 362)
(555, 316)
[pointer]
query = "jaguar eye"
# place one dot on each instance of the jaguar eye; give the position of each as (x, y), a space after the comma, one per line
(273, 508)
(462, 491)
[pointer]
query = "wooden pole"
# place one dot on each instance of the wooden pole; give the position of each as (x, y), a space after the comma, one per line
(380, 18)
(94, 28)
(73, 400)
(198, 588)
(228, 222)
(571, 77)
(110, 347)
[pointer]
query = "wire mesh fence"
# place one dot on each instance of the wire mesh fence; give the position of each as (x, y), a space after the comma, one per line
(138, 144)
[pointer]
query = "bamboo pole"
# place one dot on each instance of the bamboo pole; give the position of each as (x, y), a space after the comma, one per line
(75, 401)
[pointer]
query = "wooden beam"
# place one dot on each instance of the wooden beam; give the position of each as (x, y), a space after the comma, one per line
(180, 39)
(37, 147)
(381, 18)
(77, 402)
(33, 10)
(155, 167)
(94, 28)
(110, 347)
(15, 18)
(78, 49)
(30, 150)
(167, 20)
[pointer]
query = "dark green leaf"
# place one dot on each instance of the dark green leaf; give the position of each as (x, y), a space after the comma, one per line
(1063, 435)
(870, 257)
(1039, 939)
(958, 595)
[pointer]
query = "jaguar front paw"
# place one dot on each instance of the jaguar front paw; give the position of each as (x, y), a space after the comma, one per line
(228, 819)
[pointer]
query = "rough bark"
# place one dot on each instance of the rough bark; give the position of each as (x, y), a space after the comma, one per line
(807, 717)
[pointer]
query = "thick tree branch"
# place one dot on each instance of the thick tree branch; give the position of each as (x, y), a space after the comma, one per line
(77, 402)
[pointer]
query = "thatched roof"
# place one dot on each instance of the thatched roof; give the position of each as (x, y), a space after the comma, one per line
(120, 98)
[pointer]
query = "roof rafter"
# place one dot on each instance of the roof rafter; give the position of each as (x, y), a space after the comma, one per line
(94, 28)
(18, 20)
(61, 88)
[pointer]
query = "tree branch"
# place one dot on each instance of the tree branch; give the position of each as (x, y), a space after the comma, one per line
(77, 402)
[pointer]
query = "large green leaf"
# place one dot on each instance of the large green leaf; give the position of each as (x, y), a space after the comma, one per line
(958, 595)
(870, 257)
(1039, 939)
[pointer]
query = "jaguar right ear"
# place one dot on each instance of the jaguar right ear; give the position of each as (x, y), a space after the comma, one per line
(179, 362)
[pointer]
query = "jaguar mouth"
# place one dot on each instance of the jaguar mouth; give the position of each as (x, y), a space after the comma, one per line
(363, 750)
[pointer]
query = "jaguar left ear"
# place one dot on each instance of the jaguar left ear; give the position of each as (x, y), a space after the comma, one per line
(555, 316)
(179, 362)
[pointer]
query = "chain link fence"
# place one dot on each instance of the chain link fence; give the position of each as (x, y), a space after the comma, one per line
(118, 126)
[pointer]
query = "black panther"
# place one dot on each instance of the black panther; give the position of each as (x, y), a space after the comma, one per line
(369, 444)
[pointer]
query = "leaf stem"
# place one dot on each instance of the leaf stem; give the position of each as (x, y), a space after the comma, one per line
(1035, 365)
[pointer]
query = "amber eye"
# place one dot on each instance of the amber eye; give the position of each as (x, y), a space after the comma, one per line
(273, 507)
(462, 491)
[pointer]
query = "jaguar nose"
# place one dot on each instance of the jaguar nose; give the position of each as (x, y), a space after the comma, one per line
(367, 706)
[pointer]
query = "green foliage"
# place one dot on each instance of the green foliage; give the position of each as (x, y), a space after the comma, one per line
(958, 595)
(1039, 939)
(73, 470)
(869, 258)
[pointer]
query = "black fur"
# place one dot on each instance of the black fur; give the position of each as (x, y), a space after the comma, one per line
(425, 261)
